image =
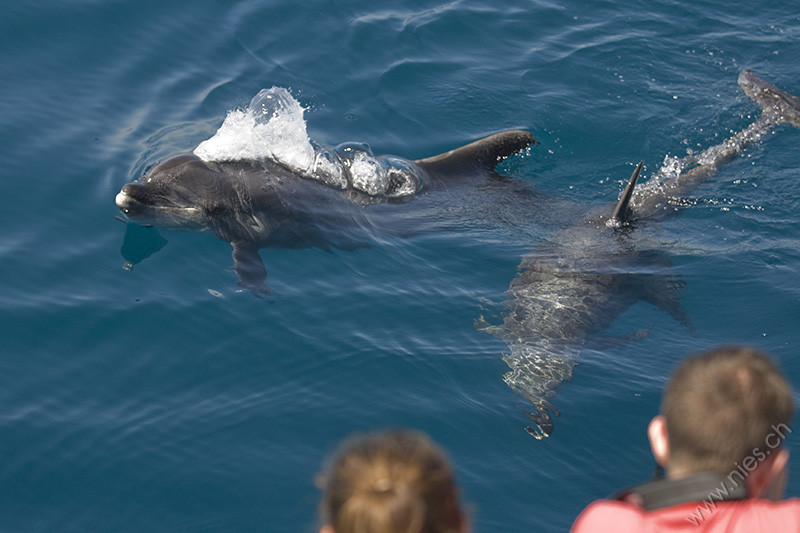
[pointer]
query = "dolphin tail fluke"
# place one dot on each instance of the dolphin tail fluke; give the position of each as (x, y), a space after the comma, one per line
(622, 213)
(543, 422)
(780, 105)
(484, 153)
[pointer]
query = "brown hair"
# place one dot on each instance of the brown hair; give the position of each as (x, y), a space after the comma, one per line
(721, 405)
(390, 482)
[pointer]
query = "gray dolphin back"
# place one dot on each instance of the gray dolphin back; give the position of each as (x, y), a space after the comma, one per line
(483, 154)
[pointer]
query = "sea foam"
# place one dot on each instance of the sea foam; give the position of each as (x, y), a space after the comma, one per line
(273, 127)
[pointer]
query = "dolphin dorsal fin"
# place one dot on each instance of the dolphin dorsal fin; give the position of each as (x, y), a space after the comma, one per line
(622, 213)
(484, 153)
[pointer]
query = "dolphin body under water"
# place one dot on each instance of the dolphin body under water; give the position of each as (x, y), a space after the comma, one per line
(253, 204)
(576, 284)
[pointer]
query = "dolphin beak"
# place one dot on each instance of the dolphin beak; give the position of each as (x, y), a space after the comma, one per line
(121, 199)
(126, 199)
(131, 196)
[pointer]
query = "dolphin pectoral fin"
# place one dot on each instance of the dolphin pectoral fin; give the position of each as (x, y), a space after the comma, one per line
(485, 153)
(662, 292)
(248, 266)
(481, 324)
(608, 342)
(622, 213)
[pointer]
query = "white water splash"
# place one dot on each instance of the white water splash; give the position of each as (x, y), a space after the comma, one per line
(272, 127)
(670, 169)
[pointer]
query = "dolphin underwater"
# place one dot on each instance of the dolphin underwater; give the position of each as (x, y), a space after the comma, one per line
(576, 284)
(257, 203)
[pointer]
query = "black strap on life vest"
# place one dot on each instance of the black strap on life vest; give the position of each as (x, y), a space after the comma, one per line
(695, 488)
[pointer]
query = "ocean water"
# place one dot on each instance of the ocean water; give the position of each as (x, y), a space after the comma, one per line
(161, 397)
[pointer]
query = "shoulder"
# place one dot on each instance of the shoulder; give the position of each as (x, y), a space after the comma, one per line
(609, 515)
(784, 514)
(745, 515)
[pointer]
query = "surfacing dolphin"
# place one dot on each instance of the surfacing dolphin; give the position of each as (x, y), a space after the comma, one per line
(254, 204)
(575, 285)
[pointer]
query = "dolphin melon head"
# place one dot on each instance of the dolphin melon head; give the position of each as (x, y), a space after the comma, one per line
(176, 194)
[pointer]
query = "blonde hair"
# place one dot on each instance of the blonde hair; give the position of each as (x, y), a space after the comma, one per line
(390, 482)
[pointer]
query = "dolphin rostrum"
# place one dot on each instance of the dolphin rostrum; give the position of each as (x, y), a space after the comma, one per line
(576, 284)
(257, 203)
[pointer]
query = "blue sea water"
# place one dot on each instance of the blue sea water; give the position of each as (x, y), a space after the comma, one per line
(163, 398)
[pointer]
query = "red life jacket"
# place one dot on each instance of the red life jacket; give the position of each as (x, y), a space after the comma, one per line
(701, 503)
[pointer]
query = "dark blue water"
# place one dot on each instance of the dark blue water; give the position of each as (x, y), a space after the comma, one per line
(165, 399)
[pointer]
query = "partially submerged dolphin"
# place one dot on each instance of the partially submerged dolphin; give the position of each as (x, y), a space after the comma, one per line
(253, 204)
(576, 284)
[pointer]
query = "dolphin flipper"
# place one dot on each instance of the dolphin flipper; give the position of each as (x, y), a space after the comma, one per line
(484, 153)
(662, 292)
(248, 266)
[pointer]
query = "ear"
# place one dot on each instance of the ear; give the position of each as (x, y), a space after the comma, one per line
(659, 440)
(769, 479)
(466, 527)
(781, 460)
